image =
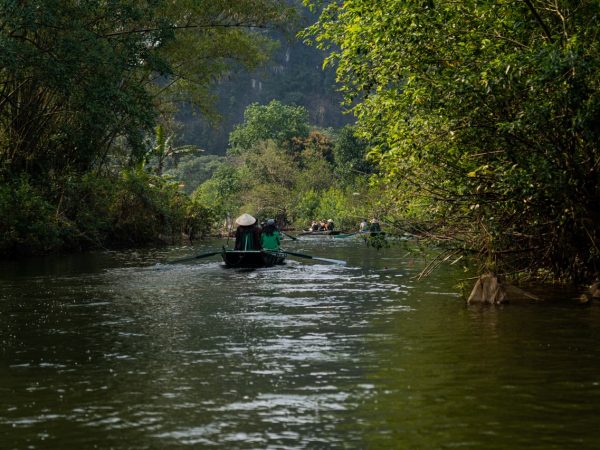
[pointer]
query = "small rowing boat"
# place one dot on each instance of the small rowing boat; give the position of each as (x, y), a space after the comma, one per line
(252, 258)
(360, 234)
(319, 233)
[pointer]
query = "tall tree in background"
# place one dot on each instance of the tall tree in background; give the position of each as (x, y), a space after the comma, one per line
(487, 112)
(275, 121)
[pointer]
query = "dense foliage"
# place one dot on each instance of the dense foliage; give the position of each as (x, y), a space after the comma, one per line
(275, 121)
(281, 166)
(128, 209)
(483, 118)
(82, 85)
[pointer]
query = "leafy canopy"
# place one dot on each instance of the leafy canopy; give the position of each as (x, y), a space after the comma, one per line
(81, 79)
(485, 114)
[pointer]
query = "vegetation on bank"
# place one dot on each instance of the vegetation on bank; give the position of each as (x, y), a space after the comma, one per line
(476, 126)
(483, 119)
(280, 166)
(131, 208)
(82, 86)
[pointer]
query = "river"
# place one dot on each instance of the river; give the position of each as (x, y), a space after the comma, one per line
(112, 350)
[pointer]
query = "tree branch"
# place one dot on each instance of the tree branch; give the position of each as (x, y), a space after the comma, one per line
(539, 20)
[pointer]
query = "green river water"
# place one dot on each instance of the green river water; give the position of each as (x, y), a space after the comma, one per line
(112, 350)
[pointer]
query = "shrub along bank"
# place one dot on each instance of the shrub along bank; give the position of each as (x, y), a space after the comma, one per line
(132, 207)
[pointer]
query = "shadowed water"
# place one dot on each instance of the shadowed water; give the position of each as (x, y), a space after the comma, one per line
(112, 350)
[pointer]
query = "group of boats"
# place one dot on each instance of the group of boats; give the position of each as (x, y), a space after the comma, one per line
(269, 258)
(339, 235)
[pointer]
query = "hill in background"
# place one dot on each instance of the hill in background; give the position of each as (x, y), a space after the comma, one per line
(294, 76)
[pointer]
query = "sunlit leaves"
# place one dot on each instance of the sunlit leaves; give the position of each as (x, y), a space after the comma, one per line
(481, 103)
(274, 121)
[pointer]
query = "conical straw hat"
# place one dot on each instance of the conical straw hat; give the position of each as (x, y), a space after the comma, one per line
(245, 220)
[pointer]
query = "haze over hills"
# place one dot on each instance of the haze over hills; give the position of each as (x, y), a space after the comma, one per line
(294, 76)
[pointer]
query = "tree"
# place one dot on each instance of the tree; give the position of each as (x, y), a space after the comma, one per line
(78, 78)
(350, 155)
(268, 176)
(275, 121)
(194, 170)
(221, 192)
(487, 112)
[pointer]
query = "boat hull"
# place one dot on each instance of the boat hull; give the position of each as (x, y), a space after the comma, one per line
(252, 258)
(319, 233)
(361, 234)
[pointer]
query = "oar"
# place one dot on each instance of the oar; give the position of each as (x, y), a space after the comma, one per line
(202, 255)
(302, 255)
(291, 237)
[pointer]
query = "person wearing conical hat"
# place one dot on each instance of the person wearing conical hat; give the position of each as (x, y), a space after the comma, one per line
(245, 220)
(247, 234)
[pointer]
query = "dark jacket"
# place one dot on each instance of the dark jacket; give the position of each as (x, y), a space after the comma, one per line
(247, 238)
(375, 227)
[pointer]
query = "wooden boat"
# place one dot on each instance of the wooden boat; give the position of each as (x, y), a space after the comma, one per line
(319, 233)
(347, 235)
(360, 234)
(252, 258)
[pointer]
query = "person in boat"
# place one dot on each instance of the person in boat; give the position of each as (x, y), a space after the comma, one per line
(375, 227)
(363, 227)
(270, 238)
(247, 234)
(314, 226)
(323, 225)
(329, 226)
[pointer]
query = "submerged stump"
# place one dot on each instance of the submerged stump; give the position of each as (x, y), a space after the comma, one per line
(593, 293)
(489, 290)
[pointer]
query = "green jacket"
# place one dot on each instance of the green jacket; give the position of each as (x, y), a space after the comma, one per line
(270, 242)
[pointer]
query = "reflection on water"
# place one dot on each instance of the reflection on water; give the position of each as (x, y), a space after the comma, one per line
(116, 351)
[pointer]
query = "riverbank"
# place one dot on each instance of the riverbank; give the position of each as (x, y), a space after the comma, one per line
(75, 213)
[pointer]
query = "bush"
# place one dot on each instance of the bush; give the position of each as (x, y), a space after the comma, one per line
(132, 208)
(28, 223)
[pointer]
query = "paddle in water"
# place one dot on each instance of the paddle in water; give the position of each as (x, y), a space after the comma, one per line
(302, 255)
(202, 255)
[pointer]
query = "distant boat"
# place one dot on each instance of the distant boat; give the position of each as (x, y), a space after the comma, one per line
(362, 234)
(252, 258)
(319, 233)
